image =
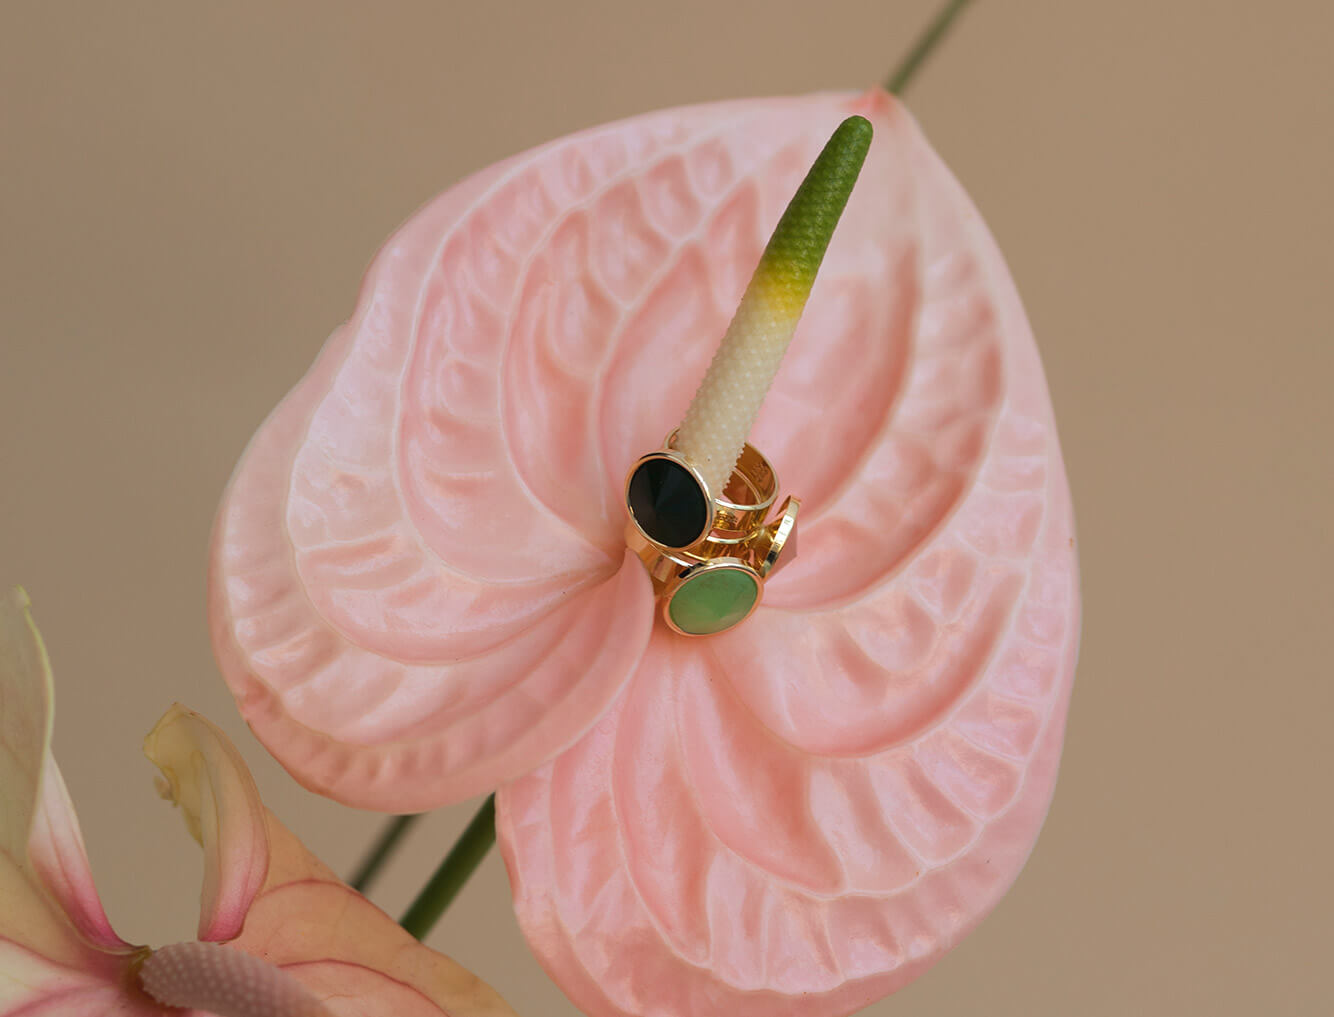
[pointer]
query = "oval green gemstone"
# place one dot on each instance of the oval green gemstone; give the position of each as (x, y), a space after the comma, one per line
(713, 600)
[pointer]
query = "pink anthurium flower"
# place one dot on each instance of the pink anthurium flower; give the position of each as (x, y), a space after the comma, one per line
(420, 587)
(280, 935)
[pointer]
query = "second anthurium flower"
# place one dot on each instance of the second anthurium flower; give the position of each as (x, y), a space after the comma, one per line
(420, 587)
(279, 934)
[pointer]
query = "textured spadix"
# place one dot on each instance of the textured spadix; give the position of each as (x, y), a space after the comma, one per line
(721, 414)
(301, 944)
(226, 982)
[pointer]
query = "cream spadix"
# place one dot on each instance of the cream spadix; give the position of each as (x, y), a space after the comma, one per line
(728, 399)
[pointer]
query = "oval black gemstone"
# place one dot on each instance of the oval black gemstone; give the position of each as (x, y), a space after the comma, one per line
(668, 503)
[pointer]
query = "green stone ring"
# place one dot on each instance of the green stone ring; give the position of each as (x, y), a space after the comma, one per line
(712, 597)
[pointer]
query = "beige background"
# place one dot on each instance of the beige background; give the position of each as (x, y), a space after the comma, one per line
(189, 193)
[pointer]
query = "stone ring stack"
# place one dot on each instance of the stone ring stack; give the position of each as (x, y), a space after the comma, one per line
(707, 553)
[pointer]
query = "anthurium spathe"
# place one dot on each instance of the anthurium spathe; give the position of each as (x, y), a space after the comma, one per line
(280, 935)
(420, 587)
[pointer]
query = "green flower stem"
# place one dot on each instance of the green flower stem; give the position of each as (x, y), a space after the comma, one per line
(924, 46)
(462, 860)
(380, 852)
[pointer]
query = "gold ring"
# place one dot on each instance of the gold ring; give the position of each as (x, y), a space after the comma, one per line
(707, 556)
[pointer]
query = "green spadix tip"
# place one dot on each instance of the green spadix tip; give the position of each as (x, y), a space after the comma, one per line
(800, 240)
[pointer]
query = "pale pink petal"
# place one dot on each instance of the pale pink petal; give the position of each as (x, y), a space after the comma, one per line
(300, 917)
(56, 945)
(683, 859)
(207, 778)
(58, 856)
(388, 655)
(32, 986)
(801, 815)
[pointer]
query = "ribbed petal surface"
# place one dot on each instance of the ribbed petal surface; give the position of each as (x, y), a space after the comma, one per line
(799, 816)
(419, 587)
(58, 954)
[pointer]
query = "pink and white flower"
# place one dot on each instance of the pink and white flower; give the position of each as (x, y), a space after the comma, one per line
(279, 934)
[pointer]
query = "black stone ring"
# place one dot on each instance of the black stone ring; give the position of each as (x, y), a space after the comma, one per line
(670, 504)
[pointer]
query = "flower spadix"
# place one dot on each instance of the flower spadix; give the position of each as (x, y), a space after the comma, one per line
(420, 587)
(723, 410)
(280, 935)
